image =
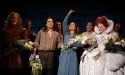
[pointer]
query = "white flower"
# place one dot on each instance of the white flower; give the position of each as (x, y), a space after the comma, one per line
(79, 39)
(62, 46)
(37, 56)
(30, 42)
(26, 44)
(118, 43)
(36, 64)
(106, 41)
(113, 39)
(70, 41)
(82, 42)
(36, 67)
(109, 39)
(84, 38)
(123, 42)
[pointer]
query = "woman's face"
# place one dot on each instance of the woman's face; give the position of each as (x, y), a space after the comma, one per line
(101, 27)
(72, 26)
(89, 27)
(29, 24)
(59, 25)
(117, 27)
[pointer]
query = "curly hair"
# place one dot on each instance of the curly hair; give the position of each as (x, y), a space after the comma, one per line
(10, 17)
(102, 20)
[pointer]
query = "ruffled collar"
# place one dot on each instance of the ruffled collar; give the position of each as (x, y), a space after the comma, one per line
(108, 29)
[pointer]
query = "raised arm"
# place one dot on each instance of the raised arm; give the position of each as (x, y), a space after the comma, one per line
(65, 21)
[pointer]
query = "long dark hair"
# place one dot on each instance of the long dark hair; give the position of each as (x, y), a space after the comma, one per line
(90, 21)
(45, 27)
(56, 26)
(26, 26)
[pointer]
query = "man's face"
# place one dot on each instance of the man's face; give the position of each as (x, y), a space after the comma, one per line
(14, 19)
(49, 23)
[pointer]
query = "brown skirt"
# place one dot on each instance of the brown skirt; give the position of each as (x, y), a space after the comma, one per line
(15, 61)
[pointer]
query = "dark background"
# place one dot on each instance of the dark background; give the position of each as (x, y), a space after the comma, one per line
(38, 10)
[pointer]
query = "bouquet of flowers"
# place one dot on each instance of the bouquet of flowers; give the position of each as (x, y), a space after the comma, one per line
(79, 39)
(114, 47)
(36, 64)
(24, 44)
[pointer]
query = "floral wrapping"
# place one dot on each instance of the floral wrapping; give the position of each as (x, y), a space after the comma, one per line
(79, 39)
(24, 44)
(36, 63)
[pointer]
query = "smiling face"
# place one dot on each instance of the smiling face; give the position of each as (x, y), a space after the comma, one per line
(14, 19)
(89, 27)
(101, 27)
(72, 26)
(101, 23)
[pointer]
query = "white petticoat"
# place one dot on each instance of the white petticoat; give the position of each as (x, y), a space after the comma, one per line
(107, 64)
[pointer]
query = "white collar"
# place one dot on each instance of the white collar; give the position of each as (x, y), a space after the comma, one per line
(108, 29)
